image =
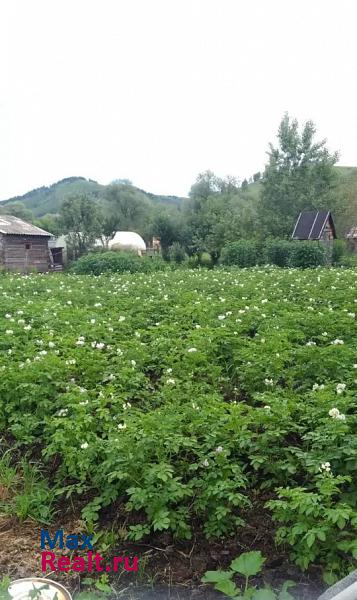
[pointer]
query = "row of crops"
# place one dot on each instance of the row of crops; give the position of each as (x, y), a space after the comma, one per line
(182, 400)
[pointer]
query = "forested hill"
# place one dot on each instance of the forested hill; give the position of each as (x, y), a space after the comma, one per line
(48, 200)
(45, 200)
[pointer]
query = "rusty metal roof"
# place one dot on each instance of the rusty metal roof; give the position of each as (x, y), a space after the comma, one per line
(10, 225)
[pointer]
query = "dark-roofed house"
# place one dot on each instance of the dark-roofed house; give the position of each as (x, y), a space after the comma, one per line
(23, 247)
(315, 225)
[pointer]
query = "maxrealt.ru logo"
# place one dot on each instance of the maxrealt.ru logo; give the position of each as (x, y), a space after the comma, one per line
(79, 564)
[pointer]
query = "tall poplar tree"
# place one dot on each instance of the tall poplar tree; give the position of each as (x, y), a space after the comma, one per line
(299, 176)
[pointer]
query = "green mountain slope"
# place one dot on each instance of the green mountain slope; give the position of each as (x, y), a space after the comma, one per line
(46, 200)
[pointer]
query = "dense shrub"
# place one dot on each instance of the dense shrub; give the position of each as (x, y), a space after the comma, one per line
(205, 260)
(339, 250)
(277, 252)
(307, 254)
(116, 262)
(243, 253)
(177, 253)
(193, 261)
(349, 261)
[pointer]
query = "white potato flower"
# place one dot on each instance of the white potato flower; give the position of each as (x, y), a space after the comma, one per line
(335, 414)
(63, 412)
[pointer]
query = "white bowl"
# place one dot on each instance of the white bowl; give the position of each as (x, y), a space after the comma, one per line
(47, 589)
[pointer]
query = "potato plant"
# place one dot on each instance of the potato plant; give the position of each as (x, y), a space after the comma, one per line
(181, 399)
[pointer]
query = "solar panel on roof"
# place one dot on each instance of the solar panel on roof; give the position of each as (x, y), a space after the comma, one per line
(310, 225)
(304, 225)
(318, 225)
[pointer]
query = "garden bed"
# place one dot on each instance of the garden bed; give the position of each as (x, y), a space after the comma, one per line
(191, 415)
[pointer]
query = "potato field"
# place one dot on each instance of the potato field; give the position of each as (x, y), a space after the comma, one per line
(184, 403)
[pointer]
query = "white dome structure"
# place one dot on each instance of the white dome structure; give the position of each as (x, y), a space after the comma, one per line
(127, 240)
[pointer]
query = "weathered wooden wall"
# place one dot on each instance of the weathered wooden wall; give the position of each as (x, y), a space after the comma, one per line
(2, 251)
(16, 257)
(327, 234)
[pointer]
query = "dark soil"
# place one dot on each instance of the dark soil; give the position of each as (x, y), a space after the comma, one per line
(167, 569)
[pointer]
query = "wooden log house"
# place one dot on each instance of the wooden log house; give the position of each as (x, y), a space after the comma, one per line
(24, 247)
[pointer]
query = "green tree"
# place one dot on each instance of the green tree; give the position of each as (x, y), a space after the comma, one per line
(19, 210)
(244, 184)
(217, 212)
(348, 186)
(165, 227)
(298, 176)
(109, 225)
(129, 205)
(50, 223)
(80, 219)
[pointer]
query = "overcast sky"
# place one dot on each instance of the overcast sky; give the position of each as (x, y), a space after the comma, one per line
(158, 90)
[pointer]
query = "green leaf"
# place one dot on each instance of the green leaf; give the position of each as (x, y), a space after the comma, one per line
(264, 594)
(329, 577)
(284, 594)
(249, 563)
(161, 520)
(216, 576)
(227, 587)
(310, 539)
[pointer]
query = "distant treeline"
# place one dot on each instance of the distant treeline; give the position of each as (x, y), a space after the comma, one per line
(300, 174)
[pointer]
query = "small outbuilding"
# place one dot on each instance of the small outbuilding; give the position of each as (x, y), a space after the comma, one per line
(58, 248)
(23, 246)
(315, 225)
